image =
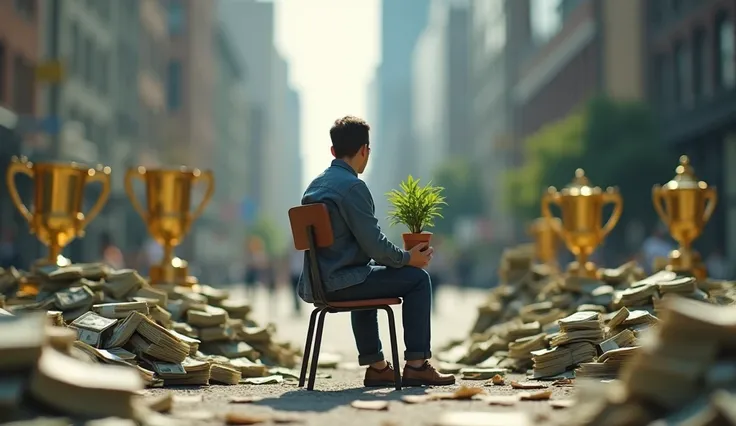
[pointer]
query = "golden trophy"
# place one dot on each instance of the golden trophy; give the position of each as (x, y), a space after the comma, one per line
(546, 240)
(56, 216)
(685, 205)
(582, 209)
(168, 215)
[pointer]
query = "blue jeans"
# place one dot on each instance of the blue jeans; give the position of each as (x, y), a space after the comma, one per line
(415, 288)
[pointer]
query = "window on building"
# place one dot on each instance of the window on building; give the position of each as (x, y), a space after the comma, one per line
(26, 8)
(176, 16)
(174, 86)
(655, 12)
(104, 59)
(2, 71)
(725, 53)
(23, 93)
(681, 73)
(88, 55)
(699, 62)
(676, 5)
(76, 56)
(661, 78)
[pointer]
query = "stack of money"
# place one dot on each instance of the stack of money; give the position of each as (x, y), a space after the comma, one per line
(683, 373)
(628, 304)
(166, 332)
(529, 295)
(33, 365)
(559, 359)
(582, 326)
(608, 365)
(520, 351)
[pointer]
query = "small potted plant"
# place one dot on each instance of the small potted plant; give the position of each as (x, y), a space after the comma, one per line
(416, 207)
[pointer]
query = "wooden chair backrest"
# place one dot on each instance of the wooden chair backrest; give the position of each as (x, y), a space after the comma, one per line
(316, 216)
(311, 229)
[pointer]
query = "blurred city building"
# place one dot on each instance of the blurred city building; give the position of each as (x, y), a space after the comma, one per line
(189, 137)
(591, 47)
(490, 77)
(440, 120)
(19, 56)
(402, 23)
(230, 112)
(272, 111)
(691, 58)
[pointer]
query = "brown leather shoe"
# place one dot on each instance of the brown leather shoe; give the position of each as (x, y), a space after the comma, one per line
(426, 375)
(375, 378)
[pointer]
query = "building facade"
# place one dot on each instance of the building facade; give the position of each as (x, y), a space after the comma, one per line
(596, 48)
(402, 23)
(190, 78)
(490, 107)
(153, 45)
(251, 24)
(19, 56)
(692, 81)
(223, 247)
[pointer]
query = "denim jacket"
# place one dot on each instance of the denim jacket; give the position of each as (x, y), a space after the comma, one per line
(358, 237)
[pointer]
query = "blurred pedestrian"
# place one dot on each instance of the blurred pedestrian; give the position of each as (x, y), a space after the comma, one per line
(151, 254)
(111, 254)
(655, 246)
(296, 263)
(718, 267)
(257, 268)
(9, 253)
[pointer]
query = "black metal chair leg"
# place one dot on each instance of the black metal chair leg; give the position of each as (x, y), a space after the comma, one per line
(308, 346)
(394, 345)
(317, 345)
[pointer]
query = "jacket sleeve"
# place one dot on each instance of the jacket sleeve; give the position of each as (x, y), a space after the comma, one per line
(359, 212)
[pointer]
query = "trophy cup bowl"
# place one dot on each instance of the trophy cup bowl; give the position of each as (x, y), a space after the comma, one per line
(56, 216)
(546, 239)
(582, 231)
(168, 214)
(685, 205)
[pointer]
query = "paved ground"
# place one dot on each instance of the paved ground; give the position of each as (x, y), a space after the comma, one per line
(329, 404)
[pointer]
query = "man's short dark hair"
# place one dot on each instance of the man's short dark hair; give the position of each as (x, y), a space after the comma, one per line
(348, 135)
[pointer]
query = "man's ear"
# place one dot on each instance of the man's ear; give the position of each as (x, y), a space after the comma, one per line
(332, 150)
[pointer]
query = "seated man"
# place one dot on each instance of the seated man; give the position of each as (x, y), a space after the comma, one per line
(349, 274)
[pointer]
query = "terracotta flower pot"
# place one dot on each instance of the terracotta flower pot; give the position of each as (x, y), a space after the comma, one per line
(411, 240)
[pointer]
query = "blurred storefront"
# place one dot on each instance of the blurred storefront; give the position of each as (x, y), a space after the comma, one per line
(692, 82)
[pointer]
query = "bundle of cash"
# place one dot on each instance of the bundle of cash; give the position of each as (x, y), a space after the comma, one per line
(683, 373)
(582, 326)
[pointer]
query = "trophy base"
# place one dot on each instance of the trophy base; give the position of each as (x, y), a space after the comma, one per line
(60, 261)
(176, 272)
(687, 263)
(588, 269)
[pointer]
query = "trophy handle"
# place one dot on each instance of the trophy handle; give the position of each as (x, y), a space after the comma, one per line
(131, 174)
(209, 179)
(657, 198)
(618, 208)
(101, 175)
(548, 198)
(19, 166)
(711, 198)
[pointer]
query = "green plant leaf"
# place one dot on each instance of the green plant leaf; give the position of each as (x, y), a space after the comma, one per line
(414, 205)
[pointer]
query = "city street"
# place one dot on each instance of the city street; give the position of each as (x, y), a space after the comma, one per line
(330, 402)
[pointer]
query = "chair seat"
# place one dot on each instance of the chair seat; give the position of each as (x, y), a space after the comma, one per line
(366, 303)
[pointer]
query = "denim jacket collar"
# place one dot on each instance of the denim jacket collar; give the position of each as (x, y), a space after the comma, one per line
(341, 163)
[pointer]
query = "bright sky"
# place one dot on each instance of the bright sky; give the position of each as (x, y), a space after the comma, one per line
(333, 48)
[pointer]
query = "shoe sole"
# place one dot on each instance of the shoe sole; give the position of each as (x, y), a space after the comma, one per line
(379, 384)
(418, 382)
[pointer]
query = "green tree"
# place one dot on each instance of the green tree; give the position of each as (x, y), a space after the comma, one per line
(551, 155)
(615, 142)
(267, 231)
(462, 192)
